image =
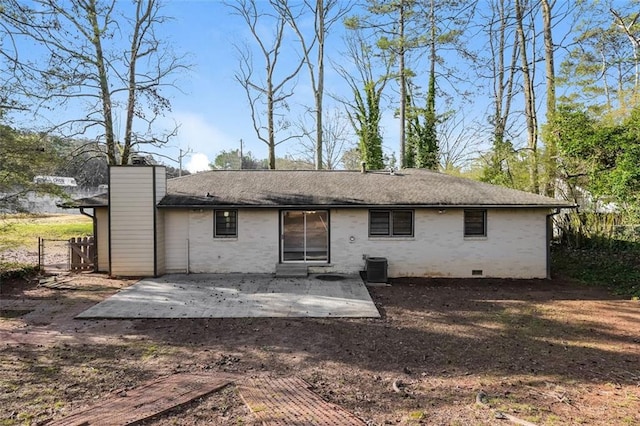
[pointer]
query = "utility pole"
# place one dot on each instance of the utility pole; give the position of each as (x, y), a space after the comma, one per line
(241, 156)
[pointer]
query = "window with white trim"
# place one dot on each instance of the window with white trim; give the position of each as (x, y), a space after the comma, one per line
(225, 223)
(391, 223)
(475, 223)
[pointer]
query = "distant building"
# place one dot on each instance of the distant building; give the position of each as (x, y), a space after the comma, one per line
(56, 180)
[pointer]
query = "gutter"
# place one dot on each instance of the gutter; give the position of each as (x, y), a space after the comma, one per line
(369, 206)
(549, 224)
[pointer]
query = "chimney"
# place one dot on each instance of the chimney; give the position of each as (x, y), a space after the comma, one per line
(363, 167)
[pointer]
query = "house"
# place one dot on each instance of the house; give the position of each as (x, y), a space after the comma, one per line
(423, 223)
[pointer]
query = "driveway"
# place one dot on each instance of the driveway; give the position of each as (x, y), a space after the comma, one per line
(238, 296)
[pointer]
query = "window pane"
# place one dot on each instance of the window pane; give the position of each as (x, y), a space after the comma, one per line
(474, 223)
(403, 222)
(226, 223)
(379, 223)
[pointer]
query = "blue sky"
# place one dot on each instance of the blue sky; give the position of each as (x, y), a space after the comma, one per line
(208, 104)
(211, 107)
(213, 112)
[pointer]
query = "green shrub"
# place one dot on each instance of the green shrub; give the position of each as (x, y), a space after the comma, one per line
(617, 269)
(12, 270)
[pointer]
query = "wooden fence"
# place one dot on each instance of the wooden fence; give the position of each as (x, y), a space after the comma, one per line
(82, 254)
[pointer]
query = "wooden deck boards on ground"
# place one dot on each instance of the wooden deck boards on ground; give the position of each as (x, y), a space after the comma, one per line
(148, 400)
(290, 402)
(274, 401)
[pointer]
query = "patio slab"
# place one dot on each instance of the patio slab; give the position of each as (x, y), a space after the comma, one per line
(237, 296)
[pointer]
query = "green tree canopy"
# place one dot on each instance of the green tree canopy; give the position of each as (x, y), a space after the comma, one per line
(24, 156)
(600, 154)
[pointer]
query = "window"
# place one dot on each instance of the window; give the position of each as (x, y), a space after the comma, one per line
(225, 223)
(475, 223)
(391, 223)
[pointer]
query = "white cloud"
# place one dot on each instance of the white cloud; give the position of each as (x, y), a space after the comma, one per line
(197, 133)
(198, 162)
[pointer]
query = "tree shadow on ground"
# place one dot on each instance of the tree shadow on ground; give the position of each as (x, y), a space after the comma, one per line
(433, 334)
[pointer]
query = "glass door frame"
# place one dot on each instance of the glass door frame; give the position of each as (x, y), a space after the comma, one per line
(305, 255)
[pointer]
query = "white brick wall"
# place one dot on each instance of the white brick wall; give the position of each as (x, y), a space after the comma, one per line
(254, 250)
(515, 245)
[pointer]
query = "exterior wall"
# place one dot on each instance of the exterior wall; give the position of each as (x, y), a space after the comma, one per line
(132, 199)
(177, 240)
(515, 245)
(161, 264)
(254, 250)
(160, 190)
(160, 176)
(160, 182)
(102, 238)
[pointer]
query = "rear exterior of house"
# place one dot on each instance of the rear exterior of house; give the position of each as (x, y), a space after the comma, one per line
(331, 222)
(339, 240)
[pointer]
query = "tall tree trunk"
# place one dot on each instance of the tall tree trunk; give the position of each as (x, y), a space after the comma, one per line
(103, 80)
(271, 137)
(403, 83)
(529, 101)
(503, 77)
(319, 92)
(551, 150)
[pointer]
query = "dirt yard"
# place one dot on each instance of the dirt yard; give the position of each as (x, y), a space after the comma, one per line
(547, 352)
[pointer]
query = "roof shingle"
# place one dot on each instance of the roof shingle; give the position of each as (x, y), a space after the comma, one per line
(282, 188)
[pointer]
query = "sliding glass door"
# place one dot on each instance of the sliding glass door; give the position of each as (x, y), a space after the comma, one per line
(305, 236)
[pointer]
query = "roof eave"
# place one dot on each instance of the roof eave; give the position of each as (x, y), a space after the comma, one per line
(370, 206)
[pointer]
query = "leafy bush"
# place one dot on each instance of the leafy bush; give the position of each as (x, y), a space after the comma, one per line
(12, 270)
(597, 231)
(615, 269)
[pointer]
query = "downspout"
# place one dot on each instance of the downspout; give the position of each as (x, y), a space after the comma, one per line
(549, 237)
(95, 238)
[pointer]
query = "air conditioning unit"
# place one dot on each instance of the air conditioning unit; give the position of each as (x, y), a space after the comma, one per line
(376, 268)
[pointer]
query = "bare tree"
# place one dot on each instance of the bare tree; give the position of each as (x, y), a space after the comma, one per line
(326, 13)
(337, 136)
(630, 30)
(551, 149)
(503, 46)
(530, 111)
(459, 141)
(88, 65)
(267, 94)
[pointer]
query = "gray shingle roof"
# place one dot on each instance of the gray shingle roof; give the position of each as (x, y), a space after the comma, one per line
(279, 188)
(100, 200)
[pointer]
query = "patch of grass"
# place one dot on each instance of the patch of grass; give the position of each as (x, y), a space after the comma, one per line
(12, 270)
(416, 415)
(18, 230)
(618, 271)
(153, 351)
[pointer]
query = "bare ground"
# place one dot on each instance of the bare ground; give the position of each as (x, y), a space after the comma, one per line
(548, 352)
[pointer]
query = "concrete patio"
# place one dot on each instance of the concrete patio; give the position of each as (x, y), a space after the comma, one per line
(238, 296)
